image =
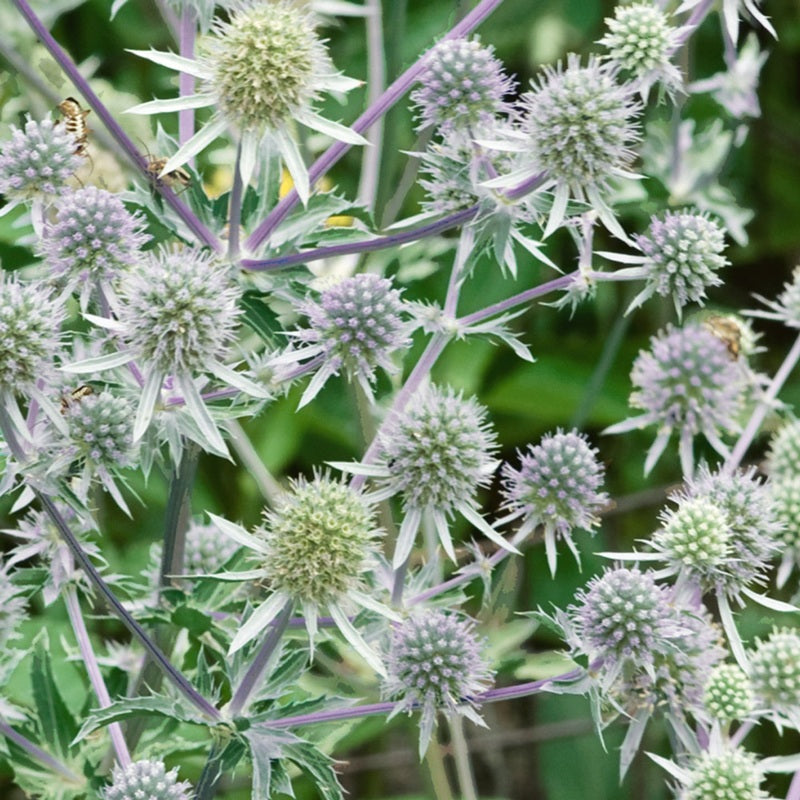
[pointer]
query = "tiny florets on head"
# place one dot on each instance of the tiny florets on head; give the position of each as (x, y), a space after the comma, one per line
(30, 317)
(725, 775)
(463, 84)
(783, 459)
(727, 695)
(146, 780)
(319, 541)
(206, 549)
(37, 161)
(179, 310)
(264, 64)
(101, 429)
(775, 673)
(581, 124)
(92, 236)
(439, 451)
(785, 493)
(684, 254)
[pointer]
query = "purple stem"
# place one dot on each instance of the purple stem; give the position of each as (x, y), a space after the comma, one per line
(456, 580)
(235, 206)
(794, 788)
(40, 755)
(391, 96)
(188, 31)
(66, 63)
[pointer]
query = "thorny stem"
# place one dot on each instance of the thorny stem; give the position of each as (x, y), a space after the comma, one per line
(391, 96)
(765, 404)
(188, 31)
(40, 755)
(136, 158)
(93, 670)
(458, 742)
(265, 652)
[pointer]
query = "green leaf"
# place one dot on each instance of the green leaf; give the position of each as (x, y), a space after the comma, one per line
(318, 766)
(56, 724)
(259, 316)
(194, 620)
(266, 747)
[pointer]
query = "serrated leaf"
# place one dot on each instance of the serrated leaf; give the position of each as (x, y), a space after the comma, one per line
(194, 620)
(259, 316)
(318, 766)
(266, 748)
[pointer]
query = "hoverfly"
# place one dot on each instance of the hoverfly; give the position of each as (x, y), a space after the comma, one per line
(174, 178)
(727, 330)
(75, 396)
(74, 119)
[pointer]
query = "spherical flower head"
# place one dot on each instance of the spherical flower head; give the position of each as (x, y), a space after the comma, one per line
(264, 64)
(775, 672)
(558, 483)
(319, 541)
(30, 317)
(146, 780)
(101, 429)
(783, 459)
(92, 236)
(359, 324)
(684, 254)
(178, 310)
(439, 451)
(206, 550)
(695, 535)
(37, 161)
(581, 123)
(726, 775)
(786, 503)
(727, 695)
(641, 41)
(463, 84)
(623, 615)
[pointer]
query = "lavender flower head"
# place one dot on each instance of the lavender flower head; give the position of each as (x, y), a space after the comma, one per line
(146, 780)
(775, 675)
(435, 663)
(37, 161)
(687, 383)
(463, 85)
(356, 326)
(640, 41)
(558, 485)
(101, 429)
(91, 239)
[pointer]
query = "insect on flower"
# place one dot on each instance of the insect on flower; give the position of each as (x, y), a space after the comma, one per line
(74, 119)
(75, 396)
(177, 177)
(727, 330)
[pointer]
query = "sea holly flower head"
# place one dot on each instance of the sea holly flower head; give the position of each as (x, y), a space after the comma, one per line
(435, 663)
(783, 458)
(91, 239)
(146, 780)
(206, 549)
(727, 695)
(558, 485)
(775, 675)
(463, 85)
(37, 161)
(688, 383)
(785, 492)
(356, 326)
(641, 41)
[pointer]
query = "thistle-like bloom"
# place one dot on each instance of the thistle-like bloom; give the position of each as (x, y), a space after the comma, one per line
(687, 383)
(148, 780)
(727, 695)
(736, 89)
(640, 41)
(785, 491)
(262, 69)
(91, 240)
(177, 316)
(463, 85)
(313, 551)
(435, 663)
(681, 255)
(783, 458)
(206, 549)
(356, 326)
(775, 675)
(437, 454)
(36, 162)
(786, 308)
(558, 485)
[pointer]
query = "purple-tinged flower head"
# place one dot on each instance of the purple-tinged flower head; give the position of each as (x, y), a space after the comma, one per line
(146, 780)
(13, 609)
(682, 255)
(37, 161)
(783, 458)
(558, 485)
(91, 239)
(318, 541)
(356, 326)
(755, 530)
(435, 662)
(641, 42)
(730, 774)
(786, 309)
(206, 549)
(463, 85)
(580, 125)
(687, 383)
(178, 310)
(30, 317)
(727, 695)
(775, 674)
(101, 429)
